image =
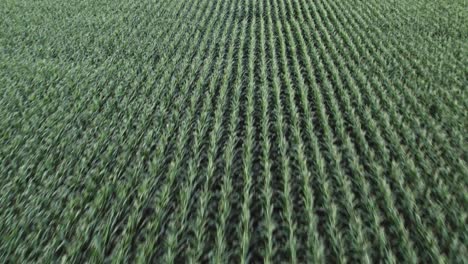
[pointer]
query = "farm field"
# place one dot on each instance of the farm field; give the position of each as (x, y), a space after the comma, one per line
(235, 131)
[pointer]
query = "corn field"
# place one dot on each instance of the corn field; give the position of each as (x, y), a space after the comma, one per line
(234, 131)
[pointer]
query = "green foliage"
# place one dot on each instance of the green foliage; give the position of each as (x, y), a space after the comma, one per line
(239, 131)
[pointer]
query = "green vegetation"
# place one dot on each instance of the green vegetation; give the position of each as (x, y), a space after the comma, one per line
(171, 131)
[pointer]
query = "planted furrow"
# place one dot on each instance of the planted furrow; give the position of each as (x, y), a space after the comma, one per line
(248, 145)
(439, 138)
(147, 124)
(232, 152)
(56, 183)
(421, 160)
(268, 223)
(336, 111)
(52, 156)
(288, 223)
(214, 138)
(394, 144)
(436, 132)
(315, 245)
(222, 235)
(163, 143)
(357, 236)
(275, 131)
(356, 168)
(82, 107)
(340, 178)
(163, 199)
(450, 103)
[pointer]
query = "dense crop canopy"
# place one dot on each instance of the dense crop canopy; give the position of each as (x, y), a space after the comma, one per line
(173, 131)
